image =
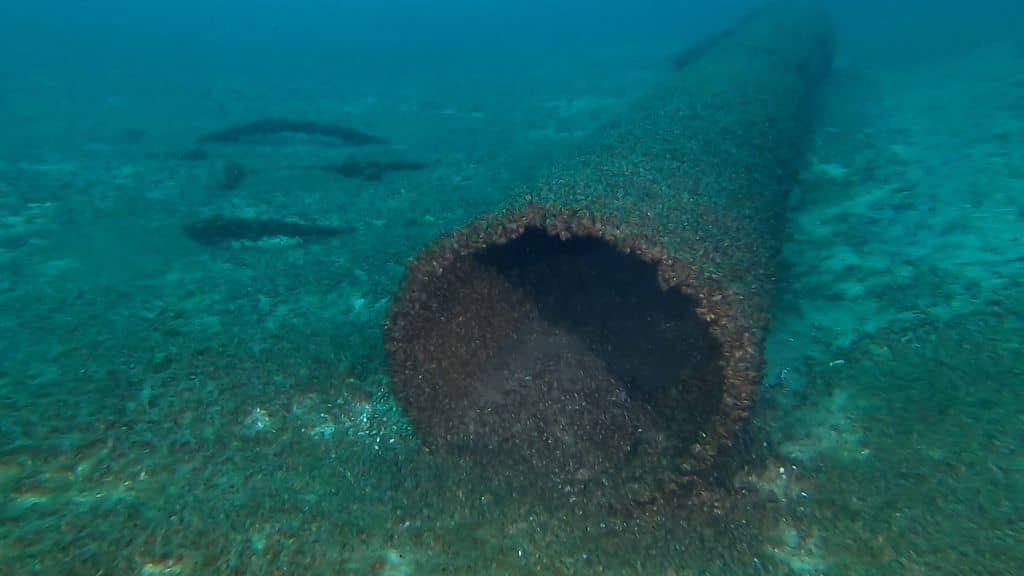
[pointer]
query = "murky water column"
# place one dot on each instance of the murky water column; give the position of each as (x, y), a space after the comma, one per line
(607, 323)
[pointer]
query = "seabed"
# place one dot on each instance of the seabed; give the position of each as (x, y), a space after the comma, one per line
(175, 408)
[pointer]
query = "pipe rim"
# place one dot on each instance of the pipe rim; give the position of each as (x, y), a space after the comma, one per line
(720, 308)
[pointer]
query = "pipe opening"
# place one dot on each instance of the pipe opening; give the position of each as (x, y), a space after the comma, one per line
(563, 355)
(648, 340)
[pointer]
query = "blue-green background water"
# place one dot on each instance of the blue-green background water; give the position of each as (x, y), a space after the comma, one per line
(171, 408)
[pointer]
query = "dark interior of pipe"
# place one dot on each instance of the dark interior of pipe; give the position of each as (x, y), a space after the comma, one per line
(601, 367)
(647, 337)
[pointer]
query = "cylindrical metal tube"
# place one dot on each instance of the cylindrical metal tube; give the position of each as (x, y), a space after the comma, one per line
(608, 322)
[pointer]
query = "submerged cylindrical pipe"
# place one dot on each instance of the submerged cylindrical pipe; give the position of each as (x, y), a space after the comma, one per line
(608, 322)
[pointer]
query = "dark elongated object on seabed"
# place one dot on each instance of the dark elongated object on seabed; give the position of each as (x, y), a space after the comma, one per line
(374, 170)
(608, 321)
(278, 126)
(217, 230)
(697, 49)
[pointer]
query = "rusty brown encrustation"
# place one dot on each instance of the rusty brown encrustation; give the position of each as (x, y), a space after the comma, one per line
(524, 332)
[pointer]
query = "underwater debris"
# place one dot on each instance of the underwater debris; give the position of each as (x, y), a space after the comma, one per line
(190, 155)
(217, 230)
(232, 174)
(685, 57)
(279, 126)
(374, 170)
(131, 136)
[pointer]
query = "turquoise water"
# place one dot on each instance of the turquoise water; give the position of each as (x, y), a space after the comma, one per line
(174, 406)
